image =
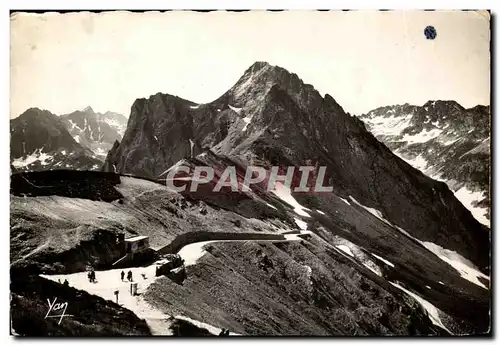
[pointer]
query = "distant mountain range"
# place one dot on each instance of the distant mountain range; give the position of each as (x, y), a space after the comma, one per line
(445, 141)
(81, 140)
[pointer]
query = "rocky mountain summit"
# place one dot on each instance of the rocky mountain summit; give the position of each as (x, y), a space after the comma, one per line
(445, 141)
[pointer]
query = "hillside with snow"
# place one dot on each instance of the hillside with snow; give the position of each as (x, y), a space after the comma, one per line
(446, 142)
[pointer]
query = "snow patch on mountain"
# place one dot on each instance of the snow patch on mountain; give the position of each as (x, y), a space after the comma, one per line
(237, 110)
(373, 211)
(388, 125)
(302, 225)
(469, 198)
(101, 152)
(345, 249)
(283, 193)
(482, 147)
(117, 125)
(466, 268)
(383, 260)
(247, 120)
(422, 137)
(268, 204)
(357, 254)
(37, 155)
(432, 311)
(450, 141)
(344, 200)
(418, 162)
(74, 125)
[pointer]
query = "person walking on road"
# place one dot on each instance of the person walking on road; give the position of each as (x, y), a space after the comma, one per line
(122, 275)
(129, 276)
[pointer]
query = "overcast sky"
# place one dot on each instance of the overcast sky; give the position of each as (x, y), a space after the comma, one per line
(362, 59)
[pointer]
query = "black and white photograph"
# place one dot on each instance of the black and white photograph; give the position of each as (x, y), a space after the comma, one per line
(218, 173)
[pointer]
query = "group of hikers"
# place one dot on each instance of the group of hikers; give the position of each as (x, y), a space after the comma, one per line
(91, 276)
(129, 276)
(224, 333)
(66, 283)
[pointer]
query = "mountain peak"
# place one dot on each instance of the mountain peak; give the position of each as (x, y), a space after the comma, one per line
(261, 76)
(444, 104)
(258, 65)
(88, 109)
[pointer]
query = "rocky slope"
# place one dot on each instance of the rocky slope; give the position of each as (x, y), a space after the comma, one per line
(445, 141)
(354, 274)
(39, 140)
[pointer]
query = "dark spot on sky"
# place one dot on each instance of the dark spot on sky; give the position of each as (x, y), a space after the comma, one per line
(430, 32)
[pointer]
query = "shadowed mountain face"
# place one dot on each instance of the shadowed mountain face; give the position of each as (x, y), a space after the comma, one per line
(39, 140)
(270, 117)
(445, 141)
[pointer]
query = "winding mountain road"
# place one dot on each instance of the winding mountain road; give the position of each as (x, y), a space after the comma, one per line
(109, 281)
